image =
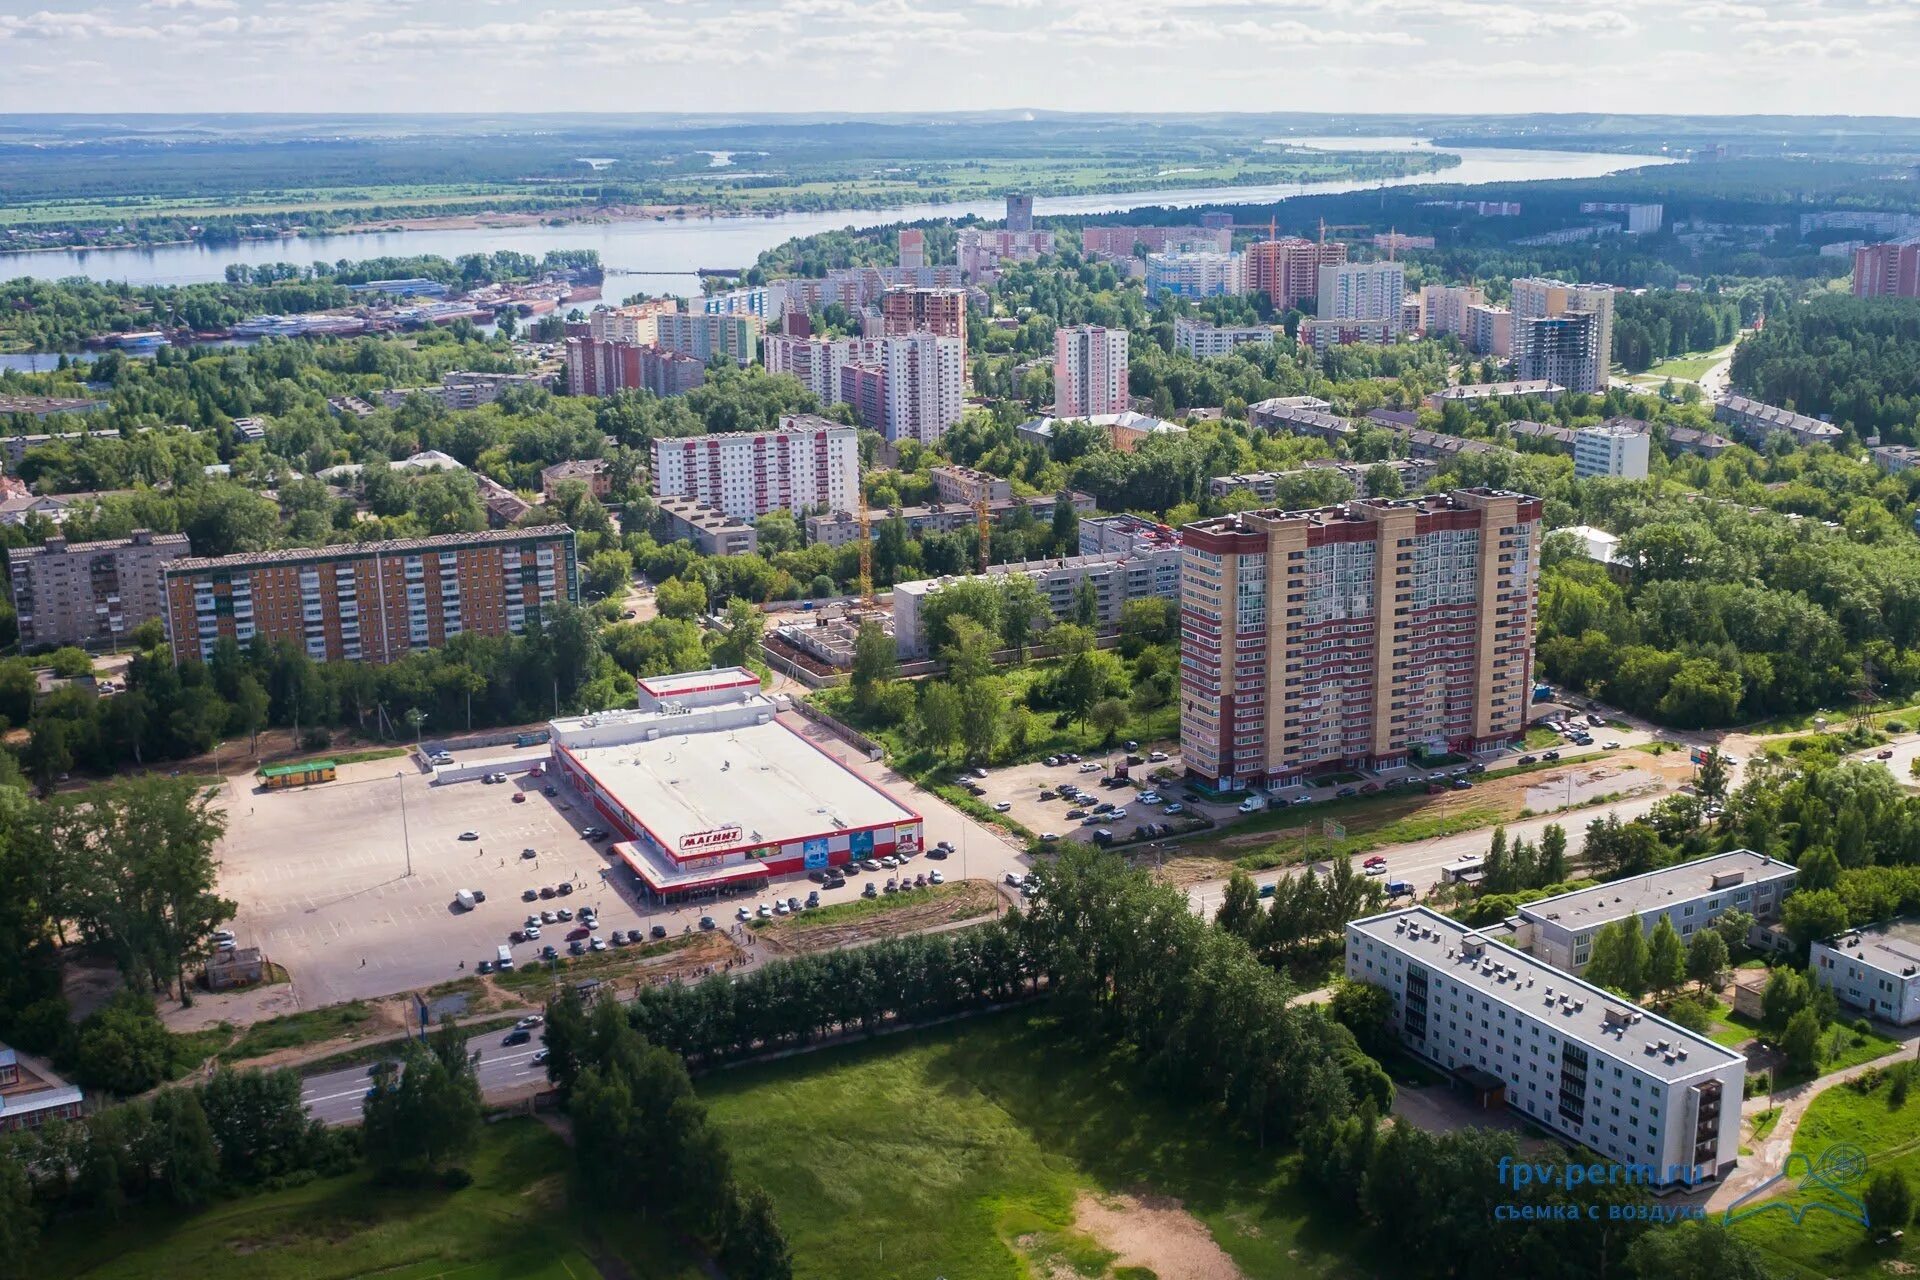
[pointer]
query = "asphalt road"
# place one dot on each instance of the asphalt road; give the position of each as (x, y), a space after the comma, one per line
(336, 1096)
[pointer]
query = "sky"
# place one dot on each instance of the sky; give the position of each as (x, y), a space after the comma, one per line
(1471, 56)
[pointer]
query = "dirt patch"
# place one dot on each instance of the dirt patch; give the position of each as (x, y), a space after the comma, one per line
(949, 902)
(1155, 1232)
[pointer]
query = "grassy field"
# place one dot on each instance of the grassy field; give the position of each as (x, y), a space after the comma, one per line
(1830, 1248)
(513, 1223)
(310, 1026)
(960, 1152)
(863, 908)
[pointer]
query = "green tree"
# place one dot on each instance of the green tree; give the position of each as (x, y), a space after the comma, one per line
(1021, 606)
(1367, 1011)
(608, 573)
(1553, 854)
(1666, 958)
(752, 1246)
(680, 598)
(428, 1116)
(1712, 777)
(189, 1161)
(1086, 604)
(983, 717)
(1733, 927)
(1788, 991)
(1889, 1201)
(1700, 1250)
(1707, 958)
(1819, 869)
(1800, 1042)
(19, 1218)
(876, 664)
(1809, 915)
(1239, 912)
(250, 708)
(741, 630)
(1620, 957)
(939, 716)
(1109, 717)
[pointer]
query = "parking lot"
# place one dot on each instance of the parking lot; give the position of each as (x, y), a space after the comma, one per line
(1021, 788)
(321, 875)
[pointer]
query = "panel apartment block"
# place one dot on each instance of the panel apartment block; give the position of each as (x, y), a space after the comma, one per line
(1089, 371)
(1690, 895)
(1537, 299)
(807, 463)
(1875, 970)
(1347, 636)
(1626, 1084)
(373, 601)
(85, 593)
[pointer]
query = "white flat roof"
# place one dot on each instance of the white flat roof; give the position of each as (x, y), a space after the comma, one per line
(1578, 1010)
(686, 682)
(765, 779)
(1891, 947)
(1686, 882)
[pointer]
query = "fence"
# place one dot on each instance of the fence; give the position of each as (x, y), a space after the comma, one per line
(839, 729)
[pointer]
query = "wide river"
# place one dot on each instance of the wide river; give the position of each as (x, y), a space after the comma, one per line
(655, 257)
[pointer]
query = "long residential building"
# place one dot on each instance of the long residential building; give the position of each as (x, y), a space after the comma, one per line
(86, 593)
(838, 528)
(372, 601)
(1660, 1102)
(1114, 579)
(637, 323)
(1353, 635)
(1757, 420)
(1204, 341)
(1287, 270)
(1535, 299)
(1689, 895)
(1089, 371)
(808, 462)
(981, 250)
(1195, 275)
(1443, 308)
(1611, 448)
(1121, 242)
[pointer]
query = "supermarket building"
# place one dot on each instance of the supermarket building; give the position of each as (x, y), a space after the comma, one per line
(707, 792)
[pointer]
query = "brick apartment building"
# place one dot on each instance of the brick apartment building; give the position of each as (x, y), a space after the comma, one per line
(373, 601)
(1350, 635)
(1287, 270)
(85, 593)
(908, 309)
(808, 463)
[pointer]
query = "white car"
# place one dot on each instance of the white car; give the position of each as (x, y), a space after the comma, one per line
(1378, 869)
(765, 912)
(1156, 757)
(531, 1020)
(1116, 815)
(779, 908)
(743, 914)
(1003, 806)
(936, 878)
(1088, 766)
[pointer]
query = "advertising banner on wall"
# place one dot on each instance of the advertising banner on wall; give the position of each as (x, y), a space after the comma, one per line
(816, 852)
(860, 844)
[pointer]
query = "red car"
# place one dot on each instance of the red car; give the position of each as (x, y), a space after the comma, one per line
(519, 797)
(1375, 861)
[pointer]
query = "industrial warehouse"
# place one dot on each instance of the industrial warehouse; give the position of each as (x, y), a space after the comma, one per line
(708, 793)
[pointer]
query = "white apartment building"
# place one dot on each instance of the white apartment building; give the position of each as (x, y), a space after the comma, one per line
(1875, 970)
(1195, 275)
(1537, 299)
(808, 462)
(1089, 371)
(1117, 577)
(1368, 291)
(922, 386)
(735, 336)
(1489, 331)
(1610, 449)
(1204, 341)
(1692, 895)
(1627, 1084)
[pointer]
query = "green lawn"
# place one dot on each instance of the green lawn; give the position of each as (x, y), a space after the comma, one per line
(513, 1223)
(959, 1152)
(863, 908)
(1540, 739)
(1822, 1245)
(310, 1026)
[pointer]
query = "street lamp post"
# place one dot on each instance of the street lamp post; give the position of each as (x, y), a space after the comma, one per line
(406, 837)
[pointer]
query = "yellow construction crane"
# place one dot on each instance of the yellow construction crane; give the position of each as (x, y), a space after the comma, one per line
(866, 554)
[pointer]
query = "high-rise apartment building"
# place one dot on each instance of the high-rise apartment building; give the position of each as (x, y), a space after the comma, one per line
(1559, 349)
(1353, 635)
(1887, 270)
(1089, 371)
(1287, 270)
(372, 601)
(913, 247)
(907, 309)
(1195, 275)
(908, 387)
(85, 593)
(636, 323)
(1535, 299)
(597, 368)
(1489, 331)
(1019, 213)
(1611, 448)
(1366, 291)
(737, 336)
(981, 250)
(1443, 308)
(808, 462)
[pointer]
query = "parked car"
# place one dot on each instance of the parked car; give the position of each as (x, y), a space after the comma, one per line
(469, 835)
(1176, 807)
(564, 890)
(1887, 754)
(1614, 746)
(938, 853)
(1529, 759)
(706, 922)
(529, 853)
(869, 891)
(1550, 755)
(1156, 757)
(519, 1035)
(660, 930)
(1053, 762)
(1049, 837)
(1463, 784)
(596, 943)
(934, 877)
(1346, 793)
(1597, 721)
(1089, 767)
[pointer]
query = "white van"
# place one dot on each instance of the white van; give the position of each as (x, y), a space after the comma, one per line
(503, 957)
(463, 898)
(1253, 804)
